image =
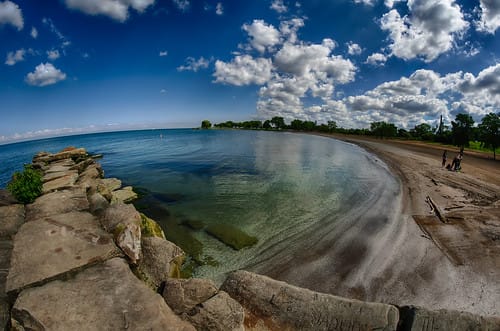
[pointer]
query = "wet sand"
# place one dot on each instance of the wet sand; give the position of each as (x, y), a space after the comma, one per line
(415, 257)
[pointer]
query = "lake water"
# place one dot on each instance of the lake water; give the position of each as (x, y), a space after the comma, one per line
(273, 186)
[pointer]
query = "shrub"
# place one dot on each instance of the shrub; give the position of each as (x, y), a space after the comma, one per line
(26, 186)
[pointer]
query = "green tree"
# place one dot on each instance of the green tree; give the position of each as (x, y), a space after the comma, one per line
(26, 186)
(461, 130)
(489, 132)
(423, 131)
(205, 124)
(383, 129)
(278, 122)
(332, 126)
(267, 124)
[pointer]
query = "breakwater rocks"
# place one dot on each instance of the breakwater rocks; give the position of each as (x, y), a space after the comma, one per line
(81, 258)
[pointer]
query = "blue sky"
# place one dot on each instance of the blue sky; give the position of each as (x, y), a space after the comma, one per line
(73, 66)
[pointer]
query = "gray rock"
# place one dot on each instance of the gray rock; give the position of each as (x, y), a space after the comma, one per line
(55, 175)
(110, 184)
(420, 319)
(6, 198)
(220, 313)
(160, 259)
(56, 246)
(4, 313)
(124, 195)
(104, 297)
(182, 295)
(88, 178)
(11, 218)
(60, 202)
(67, 153)
(63, 182)
(272, 304)
(125, 223)
(98, 203)
(82, 166)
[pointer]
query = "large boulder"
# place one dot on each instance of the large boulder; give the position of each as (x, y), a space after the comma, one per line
(124, 195)
(55, 247)
(67, 153)
(124, 222)
(89, 178)
(6, 198)
(160, 259)
(275, 305)
(417, 318)
(98, 203)
(64, 181)
(182, 295)
(104, 297)
(11, 218)
(60, 202)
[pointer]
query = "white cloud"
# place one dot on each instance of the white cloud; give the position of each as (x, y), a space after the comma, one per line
(279, 6)
(219, 9)
(45, 74)
(163, 53)
(115, 9)
(262, 36)
(243, 70)
(390, 3)
(376, 59)
(353, 48)
(53, 54)
(34, 32)
(10, 13)
(14, 57)
(366, 2)
(490, 16)
(288, 29)
(182, 4)
(430, 29)
(194, 65)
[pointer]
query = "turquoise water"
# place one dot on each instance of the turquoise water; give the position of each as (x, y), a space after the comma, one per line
(271, 185)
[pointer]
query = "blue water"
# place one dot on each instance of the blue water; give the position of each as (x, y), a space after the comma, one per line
(271, 185)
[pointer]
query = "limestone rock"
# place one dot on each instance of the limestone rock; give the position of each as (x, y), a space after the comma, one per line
(11, 218)
(125, 223)
(88, 178)
(104, 297)
(149, 228)
(6, 198)
(272, 304)
(111, 184)
(220, 313)
(416, 318)
(56, 246)
(98, 203)
(73, 199)
(182, 295)
(124, 195)
(82, 165)
(160, 259)
(67, 153)
(66, 181)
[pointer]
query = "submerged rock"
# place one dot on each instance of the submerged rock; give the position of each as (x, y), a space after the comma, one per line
(231, 236)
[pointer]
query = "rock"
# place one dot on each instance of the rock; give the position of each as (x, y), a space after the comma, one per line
(6, 198)
(104, 297)
(220, 312)
(182, 295)
(11, 218)
(4, 313)
(56, 246)
(67, 153)
(111, 184)
(63, 182)
(56, 175)
(88, 178)
(271, 304)
(82, 165)
(160, 259)
(417, 318)
(231, 236)
(98, 203)
(60, 202)
(125, 223)
(149, 228)
(124, 195)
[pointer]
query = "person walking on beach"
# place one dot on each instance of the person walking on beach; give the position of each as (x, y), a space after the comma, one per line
(444, 157)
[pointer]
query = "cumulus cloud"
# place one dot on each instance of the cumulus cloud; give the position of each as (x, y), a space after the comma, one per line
(34, 32)
(10, 13)
(45, 74)
(115, 9)
(353, 48)
(390, 3)
(243, 70)
(490, 16)
(182, 4)
(14, 57)
(53, 54)
(163, 53)
(219, 9)
(262, 36)
(366, 2)
(279, 6)
(429, 30)
(376, 59)
(193, 64)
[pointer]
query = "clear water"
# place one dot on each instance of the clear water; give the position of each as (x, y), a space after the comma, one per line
(270, 185)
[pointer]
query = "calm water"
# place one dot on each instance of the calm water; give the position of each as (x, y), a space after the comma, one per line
(270, 185)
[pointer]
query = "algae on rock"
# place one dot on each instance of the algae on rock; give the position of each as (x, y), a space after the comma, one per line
(231, 236)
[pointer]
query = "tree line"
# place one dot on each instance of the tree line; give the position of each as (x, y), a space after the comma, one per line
(461, 132)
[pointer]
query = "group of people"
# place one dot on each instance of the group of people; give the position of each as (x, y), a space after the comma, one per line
(457, 160)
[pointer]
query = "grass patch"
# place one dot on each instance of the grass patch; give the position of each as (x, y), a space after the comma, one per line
(231, 236)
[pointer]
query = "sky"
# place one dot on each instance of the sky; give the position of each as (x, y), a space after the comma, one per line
(77, 66)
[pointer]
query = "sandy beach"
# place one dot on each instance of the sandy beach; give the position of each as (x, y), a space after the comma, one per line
(441, 250)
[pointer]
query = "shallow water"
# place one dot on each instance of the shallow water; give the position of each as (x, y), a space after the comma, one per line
(277, 187)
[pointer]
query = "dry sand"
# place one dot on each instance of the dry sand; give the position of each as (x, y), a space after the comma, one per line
(451, 263)
(406, 255)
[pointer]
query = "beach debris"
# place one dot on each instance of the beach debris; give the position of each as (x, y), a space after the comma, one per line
(435, 208)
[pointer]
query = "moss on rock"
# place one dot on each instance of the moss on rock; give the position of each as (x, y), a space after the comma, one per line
(231, 236)
(149, 228)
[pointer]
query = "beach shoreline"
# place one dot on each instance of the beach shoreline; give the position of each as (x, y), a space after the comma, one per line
(439, 265)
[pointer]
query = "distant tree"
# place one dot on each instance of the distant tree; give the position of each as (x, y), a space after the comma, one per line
(383, 129)
(267, 124)
(461, 130)
(278, 122)
(423, 131)
(332, 126)
(296, 125)
(402, 133)
(489, 132)
(205, 124)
